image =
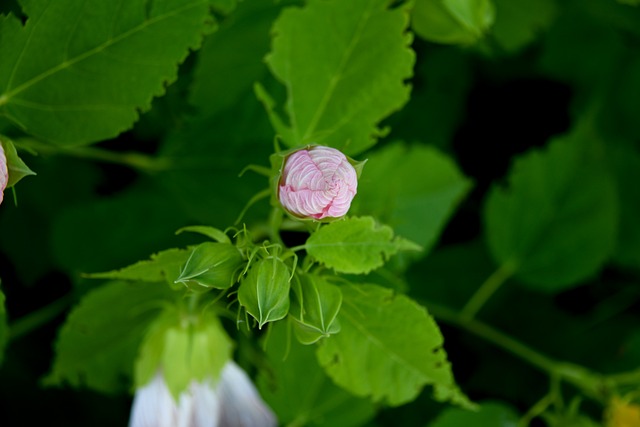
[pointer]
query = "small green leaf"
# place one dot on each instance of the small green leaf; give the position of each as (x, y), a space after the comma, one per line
(211, 232)
(356, 83)
(4, 326)
(16, 167)
(519, 22)
(99, 341)
(355, 245)
(162, 267)
(75, 74)
(413, 189)
(490, 414)
(264, 291)
(556, 221)
(314, 308)
(299, 390)
(211, 265)
(389, 348)
(452, 21)
(184, 352)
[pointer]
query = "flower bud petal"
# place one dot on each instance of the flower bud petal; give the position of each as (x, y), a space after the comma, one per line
(4, 173)
(317, 182)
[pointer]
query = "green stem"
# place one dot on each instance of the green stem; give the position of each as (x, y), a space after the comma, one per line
(133, 160)
(39, 318)
(487, 289)
(590, 383)
(275, 221)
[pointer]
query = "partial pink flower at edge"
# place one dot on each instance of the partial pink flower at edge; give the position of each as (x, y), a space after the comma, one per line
(4, 173)
(317, 182)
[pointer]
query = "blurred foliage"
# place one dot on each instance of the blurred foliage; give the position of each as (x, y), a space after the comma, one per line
(535, 103)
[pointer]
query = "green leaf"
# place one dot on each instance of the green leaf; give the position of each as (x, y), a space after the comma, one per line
(315, 308)
(389, 348)
(299, 390)
(414, 189)
(452, 21)
(75, 74)
(626, 168)
(490, 414)
(355, 245)
(518, 23)
(556, 221)
(16, 167)
(162, 267)
(264, 291)
(4, 326)
(232, 58)
(98, 343)
(356, 82)
(211, 232)
(183, 351)
(211, 265)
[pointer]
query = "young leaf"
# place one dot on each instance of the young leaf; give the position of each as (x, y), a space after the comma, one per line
(184, 353)
(299, 390)
(389, 348)
(355, 245)
(452, 21)
(264, 291)
(490, 414)
(162, 267)
(556, 221)
(211, 265)
(75, 74)
(4, 327)
(99, 341)
(211, 232)
(314, 308)
(16, 167)
(356, 83)
(413, 189)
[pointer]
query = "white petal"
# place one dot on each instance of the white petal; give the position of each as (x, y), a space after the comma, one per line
(241, 404)
(206, 405)
(153, 405)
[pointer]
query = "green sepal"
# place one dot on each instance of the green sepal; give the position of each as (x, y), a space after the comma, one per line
(211, 232)
(315, 308)
(452, 21)
(183, 351)
(211, 265)
(264, 291)
(15, 166)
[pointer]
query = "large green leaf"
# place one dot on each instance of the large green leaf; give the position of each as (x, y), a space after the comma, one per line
(389, 348)
(98, 343)
(300, 392)
(232, 58)
(413, 189)
(555, 222)
(356, 55)
(355, 245)
(79, 72)
(490, 414)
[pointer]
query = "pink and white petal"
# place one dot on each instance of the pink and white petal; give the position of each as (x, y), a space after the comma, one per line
(4, 173)
(153, 406)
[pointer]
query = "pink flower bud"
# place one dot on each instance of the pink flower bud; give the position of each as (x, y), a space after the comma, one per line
(317, 182)
(4, 173)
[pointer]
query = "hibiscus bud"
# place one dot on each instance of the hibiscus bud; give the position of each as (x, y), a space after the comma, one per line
(317, 182)
(4, 173)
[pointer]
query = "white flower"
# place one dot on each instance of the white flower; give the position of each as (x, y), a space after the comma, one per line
(232, 402)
